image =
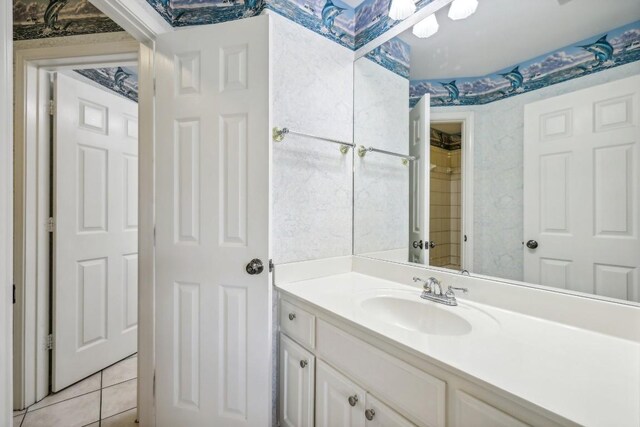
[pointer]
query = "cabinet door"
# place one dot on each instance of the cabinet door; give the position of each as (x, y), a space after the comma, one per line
(470, 411)
(339, 402)
(296, 384)
(377, 414)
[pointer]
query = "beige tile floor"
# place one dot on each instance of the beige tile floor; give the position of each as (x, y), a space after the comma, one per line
(105, 399)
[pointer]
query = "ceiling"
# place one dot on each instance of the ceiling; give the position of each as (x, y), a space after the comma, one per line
(503, 33)
(353, 3)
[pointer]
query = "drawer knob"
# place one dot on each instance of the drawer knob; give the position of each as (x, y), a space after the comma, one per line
(292, 316)
(353, 400)
(303, 363)
(369, 414)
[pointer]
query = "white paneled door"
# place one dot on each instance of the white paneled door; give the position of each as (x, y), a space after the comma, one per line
(95, 310)
(419, 180)
(213, 318)
(581, 190)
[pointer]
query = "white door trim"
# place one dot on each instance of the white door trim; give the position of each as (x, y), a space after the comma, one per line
(29, 195)
(467, 119)
(6, 209)
(136, 17)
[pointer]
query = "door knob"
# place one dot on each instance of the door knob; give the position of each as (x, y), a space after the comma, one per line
(369, 414)
(432, 244)
(532, 244)
(255, 266)
(417, 244)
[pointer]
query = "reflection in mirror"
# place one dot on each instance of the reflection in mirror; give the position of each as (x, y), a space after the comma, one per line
(506, 144)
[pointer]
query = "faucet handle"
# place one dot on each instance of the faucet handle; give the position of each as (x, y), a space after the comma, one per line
(427, 283)
(451, 294)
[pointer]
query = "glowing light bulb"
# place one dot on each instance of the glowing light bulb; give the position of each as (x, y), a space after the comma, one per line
(427, 27)
(401, 9)
(461, 9)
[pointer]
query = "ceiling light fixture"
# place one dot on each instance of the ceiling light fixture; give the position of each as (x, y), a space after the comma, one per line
(461, 9)
(427, 27)
(401, 9)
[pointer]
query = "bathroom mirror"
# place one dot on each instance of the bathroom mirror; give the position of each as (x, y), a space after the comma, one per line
(507, 145)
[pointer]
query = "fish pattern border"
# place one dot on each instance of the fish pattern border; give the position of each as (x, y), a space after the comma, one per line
(601, 52)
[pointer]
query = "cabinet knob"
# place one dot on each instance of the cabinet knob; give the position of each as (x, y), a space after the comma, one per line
(292, 316)
(369, 414)
(303, 363)
(353, 400)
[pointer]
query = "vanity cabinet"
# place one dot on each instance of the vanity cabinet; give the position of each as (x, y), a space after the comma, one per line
(339, 402)
(377, 414)
(471, 411)
(352, 379)
(297, 380)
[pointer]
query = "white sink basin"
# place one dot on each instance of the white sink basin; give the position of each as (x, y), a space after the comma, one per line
(410, 312)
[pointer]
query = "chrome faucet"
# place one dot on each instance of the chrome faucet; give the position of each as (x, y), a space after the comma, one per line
(432, 291)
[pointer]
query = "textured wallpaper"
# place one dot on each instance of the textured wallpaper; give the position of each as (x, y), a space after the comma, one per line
(600, 52)
(36, 19)
(311, 179)
(381, 187)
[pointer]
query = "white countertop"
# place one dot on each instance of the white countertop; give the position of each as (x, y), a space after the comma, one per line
(586, 377)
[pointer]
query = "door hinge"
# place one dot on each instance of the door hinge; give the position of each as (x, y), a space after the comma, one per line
(48, 345)
(52, 107)
(154, 384)
(270, 266)
(50, 224)
(14, 293)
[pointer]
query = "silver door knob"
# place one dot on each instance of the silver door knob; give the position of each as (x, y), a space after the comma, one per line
(417, 244)
(369, 414)
(532, 244)
(255, 266)
(432, 244)
(303, 363)
(353, 400)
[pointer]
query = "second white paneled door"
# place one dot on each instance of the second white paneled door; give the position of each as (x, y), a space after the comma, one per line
(419, 180)
(582, 190)
(213, 318)
(95, 310)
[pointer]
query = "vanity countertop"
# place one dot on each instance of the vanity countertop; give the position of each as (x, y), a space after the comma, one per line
(586, 377)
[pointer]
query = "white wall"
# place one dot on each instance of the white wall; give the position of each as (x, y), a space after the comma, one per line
(381, 188)
(312, 181)
(498, 173)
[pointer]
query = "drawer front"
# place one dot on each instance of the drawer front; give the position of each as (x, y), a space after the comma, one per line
(297, 323)
(297, 375)
(418, 395)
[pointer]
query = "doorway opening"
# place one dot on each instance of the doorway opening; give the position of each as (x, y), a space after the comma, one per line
(87, 371)
(445, 221)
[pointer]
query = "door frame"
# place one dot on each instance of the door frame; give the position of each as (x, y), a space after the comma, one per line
(31, 314)
(467, 120)
(6, 209)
